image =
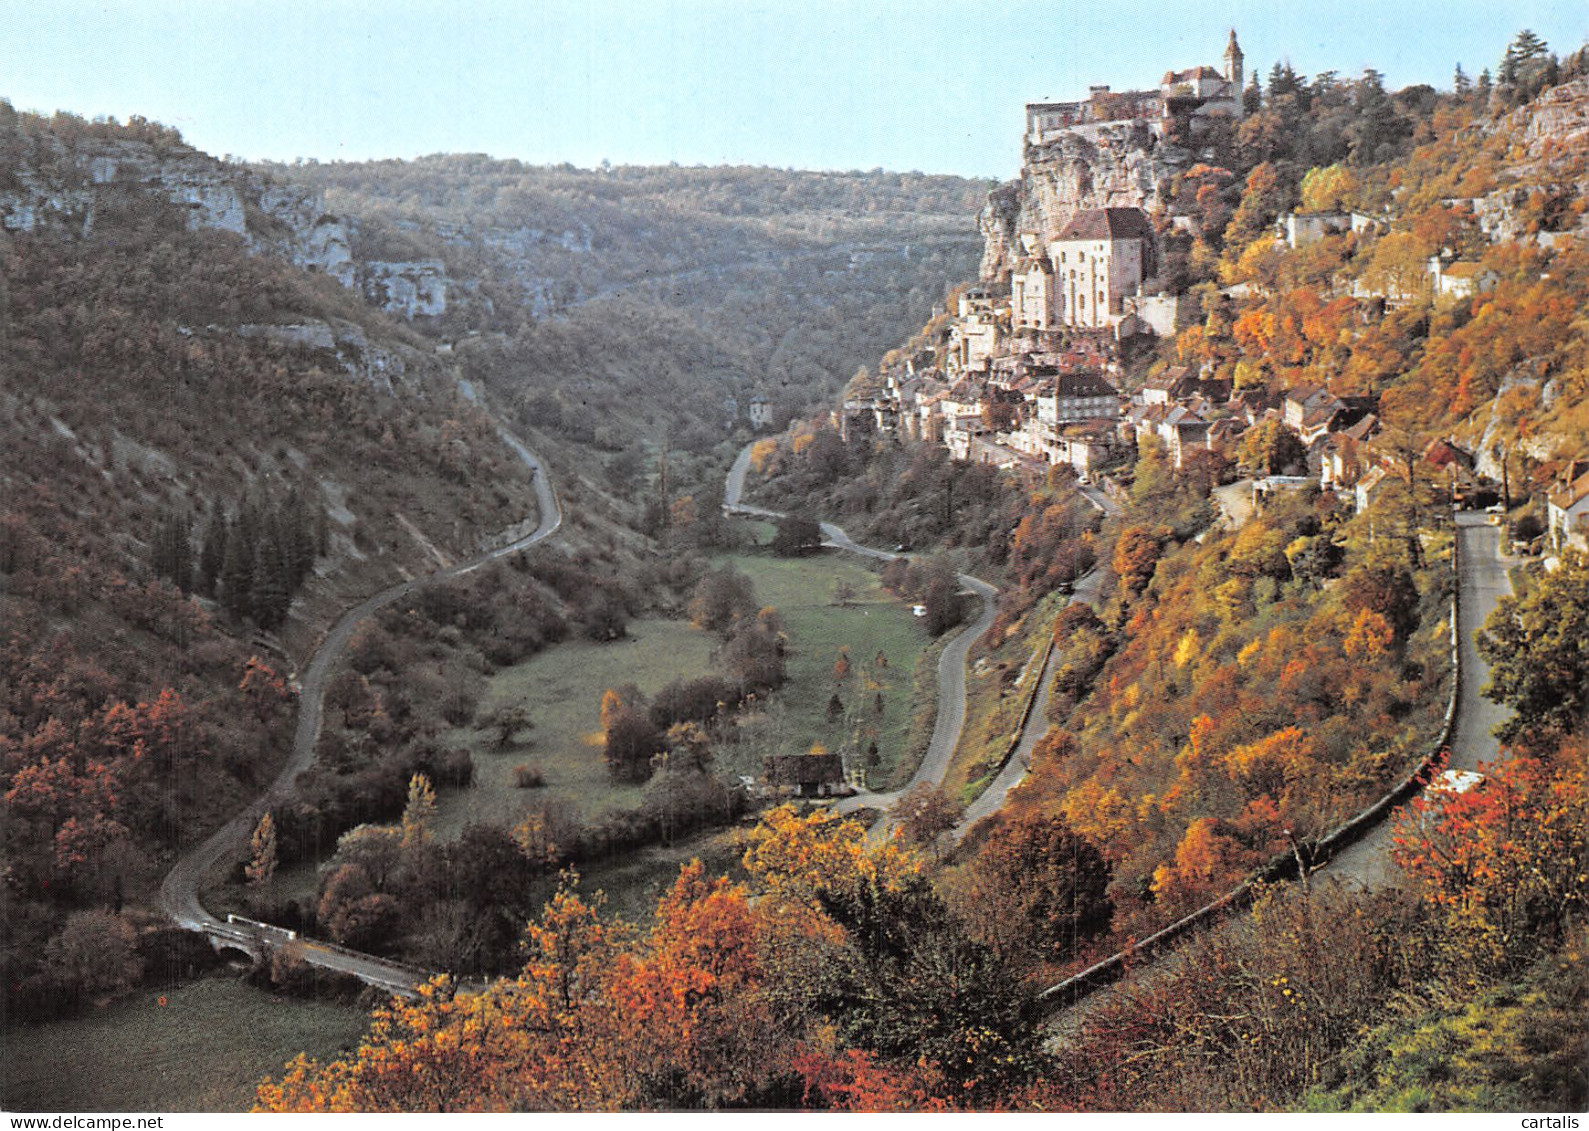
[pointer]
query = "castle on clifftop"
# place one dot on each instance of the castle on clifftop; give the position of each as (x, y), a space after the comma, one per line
(1193, 97)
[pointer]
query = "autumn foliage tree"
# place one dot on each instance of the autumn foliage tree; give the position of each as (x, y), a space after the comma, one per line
(1502, 864)
(631, 737)
(1136, 553)
(262, 856)
(603, 1017)
(1037, 891)
(926, 813)
(1538, 650)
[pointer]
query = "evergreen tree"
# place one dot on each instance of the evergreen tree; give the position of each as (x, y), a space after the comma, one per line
(298, 539)
(1520, 53)
(1252, 96)
(1461, 85)
(322, 532)
(1377, 128)
(1526, 68)
(213, 553)
(173, 550)
(270, 595)
(237, 568)
(1283, 80)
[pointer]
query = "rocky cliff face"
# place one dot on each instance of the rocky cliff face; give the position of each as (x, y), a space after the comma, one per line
(47, 185)
(406, 289)
(61, 186)
(1117, 165)
(1556, 127)
(58, 186)
(1552, 159)
(358, 357)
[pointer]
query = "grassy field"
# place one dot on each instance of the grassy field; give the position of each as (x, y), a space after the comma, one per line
(876, 622)
(203, 1050)
(562, 688)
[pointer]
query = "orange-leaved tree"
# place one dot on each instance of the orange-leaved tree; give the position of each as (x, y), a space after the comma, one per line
(1504, 864)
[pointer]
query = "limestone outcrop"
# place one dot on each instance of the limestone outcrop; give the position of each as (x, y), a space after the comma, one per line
(1115, 165)
(60, 186)
(1552, 162)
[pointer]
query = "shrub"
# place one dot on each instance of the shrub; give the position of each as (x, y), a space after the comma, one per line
(529, 775)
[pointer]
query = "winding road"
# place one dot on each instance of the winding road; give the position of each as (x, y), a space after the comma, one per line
(951, 718)
(179, 894)
(1367, 864)
(1088, 591)
(1483, 580)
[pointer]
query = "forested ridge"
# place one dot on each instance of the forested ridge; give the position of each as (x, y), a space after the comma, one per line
(188, 503)
(183, 508)
(628, 309)
(1244, 689)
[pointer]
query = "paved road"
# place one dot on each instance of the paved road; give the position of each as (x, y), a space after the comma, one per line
(950, 722)
(179, 894)
(1483, 580)
(951, 718)
(1088, 590)
(1098, 498)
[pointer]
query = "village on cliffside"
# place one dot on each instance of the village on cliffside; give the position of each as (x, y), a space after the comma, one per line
(1042, 363)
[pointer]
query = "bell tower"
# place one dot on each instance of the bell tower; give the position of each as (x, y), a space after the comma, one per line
(1233, 60)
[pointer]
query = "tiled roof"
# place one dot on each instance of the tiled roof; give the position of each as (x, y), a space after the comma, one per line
(1364, 428)
(1077, 383)
(1169, 377)
(1571, 494)
(802, 769)
(1204, 72)
(1107, 224)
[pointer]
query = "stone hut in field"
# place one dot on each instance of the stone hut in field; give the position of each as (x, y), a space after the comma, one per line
(804, 775)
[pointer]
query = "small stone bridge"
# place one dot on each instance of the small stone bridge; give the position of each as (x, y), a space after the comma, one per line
(257, 941)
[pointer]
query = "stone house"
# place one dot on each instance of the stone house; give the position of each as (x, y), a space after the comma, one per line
(1370, 486)
(1033, 304)
(805, 775)
(975, 337)
(1068, 396)
(1168, 386)
(1184, 437)
(1305, 404)
(1164, 314)
(1099, 258)
(1567, 507)
(1298, 229)
(1193, 96)
(1461, 279)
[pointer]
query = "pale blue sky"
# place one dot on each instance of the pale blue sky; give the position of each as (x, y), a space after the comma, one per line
(827, 84)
